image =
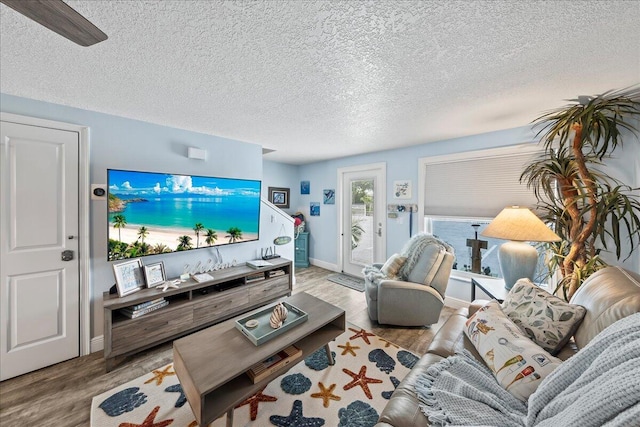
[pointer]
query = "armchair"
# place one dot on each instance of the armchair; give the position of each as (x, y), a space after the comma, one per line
(408, 290)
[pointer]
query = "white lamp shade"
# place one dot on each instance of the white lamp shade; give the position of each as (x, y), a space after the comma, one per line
(519, 224)
(518, 259)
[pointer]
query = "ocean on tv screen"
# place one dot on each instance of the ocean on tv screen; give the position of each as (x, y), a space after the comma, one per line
(152, 213)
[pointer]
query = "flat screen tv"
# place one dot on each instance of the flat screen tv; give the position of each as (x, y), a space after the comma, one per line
(154, 213)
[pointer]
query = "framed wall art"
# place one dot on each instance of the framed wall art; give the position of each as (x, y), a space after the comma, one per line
(402, 189)
(305, 187)
(129, 277)
(279, 196)
(329, 197)
(154, 274)
(314, 208)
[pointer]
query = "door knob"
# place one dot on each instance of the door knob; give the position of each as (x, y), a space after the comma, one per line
(67, 255)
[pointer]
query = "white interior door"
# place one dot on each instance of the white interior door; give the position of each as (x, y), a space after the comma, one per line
(39, 295)
(362, 197)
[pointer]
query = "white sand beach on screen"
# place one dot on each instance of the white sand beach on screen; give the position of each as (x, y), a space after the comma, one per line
(169, 236)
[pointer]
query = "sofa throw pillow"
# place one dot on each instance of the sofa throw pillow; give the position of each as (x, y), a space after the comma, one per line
(546, 319)
(393, 265)
(518, 363)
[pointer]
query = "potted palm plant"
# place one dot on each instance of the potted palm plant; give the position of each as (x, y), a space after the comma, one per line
(591, 210)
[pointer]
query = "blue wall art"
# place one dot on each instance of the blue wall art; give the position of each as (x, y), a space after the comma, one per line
(314, 208)
(329, 197)
(305, 187)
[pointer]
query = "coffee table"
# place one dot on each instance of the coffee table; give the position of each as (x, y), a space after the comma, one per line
(211, 364)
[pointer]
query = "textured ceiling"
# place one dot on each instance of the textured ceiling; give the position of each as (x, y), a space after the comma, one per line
(314, 80)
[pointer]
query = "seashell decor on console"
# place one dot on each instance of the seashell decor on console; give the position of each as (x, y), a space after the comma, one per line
(278, 316)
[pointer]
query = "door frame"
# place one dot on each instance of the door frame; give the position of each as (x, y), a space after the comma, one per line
(84, 244)
(382, 166)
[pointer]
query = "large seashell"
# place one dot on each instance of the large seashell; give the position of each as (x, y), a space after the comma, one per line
(278, 316)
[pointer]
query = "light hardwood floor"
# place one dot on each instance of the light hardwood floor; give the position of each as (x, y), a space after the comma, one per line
(60, 395)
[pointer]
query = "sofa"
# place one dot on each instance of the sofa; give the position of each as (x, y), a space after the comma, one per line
(608, 295)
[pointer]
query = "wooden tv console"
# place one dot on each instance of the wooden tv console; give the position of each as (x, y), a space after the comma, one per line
(191, 307)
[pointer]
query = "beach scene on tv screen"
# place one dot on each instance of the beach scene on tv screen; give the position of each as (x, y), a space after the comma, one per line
(155, 213)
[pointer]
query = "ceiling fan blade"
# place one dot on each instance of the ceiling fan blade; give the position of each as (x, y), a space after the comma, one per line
(58, 16)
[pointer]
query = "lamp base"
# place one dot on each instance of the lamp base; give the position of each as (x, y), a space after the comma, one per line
(517, 260)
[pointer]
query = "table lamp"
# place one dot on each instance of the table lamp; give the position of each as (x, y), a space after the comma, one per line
(518, 225)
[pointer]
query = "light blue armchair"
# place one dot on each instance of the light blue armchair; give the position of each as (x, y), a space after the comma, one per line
(412, 295)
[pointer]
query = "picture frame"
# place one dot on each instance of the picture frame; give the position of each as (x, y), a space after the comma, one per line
(329, 196)
(402, 189)
(314, 208)
(129, 277)
(154, 274)
(279, 196)
(305, 187)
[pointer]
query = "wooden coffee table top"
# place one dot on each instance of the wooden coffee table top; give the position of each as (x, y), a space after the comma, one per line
(211, 358)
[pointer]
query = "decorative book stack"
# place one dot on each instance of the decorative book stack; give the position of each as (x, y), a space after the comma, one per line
(255, 277)
(144, 308)
(275, 273)
(262, 370)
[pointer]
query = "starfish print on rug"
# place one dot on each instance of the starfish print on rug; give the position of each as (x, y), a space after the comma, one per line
(360, 379)
(326, 394)
(387, 344)
(348, 348)
(362, 334)
(254, 401)
(295, 418)
(177, 388)
(159, 375)
(149, 421)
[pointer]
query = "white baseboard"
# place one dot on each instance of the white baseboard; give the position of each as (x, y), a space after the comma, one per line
(455, 302)
(97, 344)
(324, 264)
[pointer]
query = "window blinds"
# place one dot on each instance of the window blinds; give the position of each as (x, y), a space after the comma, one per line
(477, 187)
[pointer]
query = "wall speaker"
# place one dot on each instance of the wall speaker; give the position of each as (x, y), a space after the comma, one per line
(197, 153)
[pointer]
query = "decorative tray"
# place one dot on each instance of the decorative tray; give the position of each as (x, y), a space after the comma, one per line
(264, 332)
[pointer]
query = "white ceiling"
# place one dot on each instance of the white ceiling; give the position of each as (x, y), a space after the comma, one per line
(315, 80)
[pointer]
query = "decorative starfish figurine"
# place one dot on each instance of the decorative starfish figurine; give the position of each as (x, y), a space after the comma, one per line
(348, 348)
(362, 334)
(360, 379)
(295, 418)
(150, 421)
(326, 394)
(166, 285)
(387, 343)
(254, 401)
(158, 375)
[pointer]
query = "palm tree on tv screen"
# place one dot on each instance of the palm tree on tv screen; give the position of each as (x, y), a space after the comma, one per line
(142, 233)
(211, 236)
(234, 234)
(161, 248)
(184, 243)
(119, 221)
(198, 229)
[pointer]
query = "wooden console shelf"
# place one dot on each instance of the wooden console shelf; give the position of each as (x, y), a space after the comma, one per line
(193, 306)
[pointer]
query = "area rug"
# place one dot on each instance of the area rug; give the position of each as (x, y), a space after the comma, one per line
(348, 281)
(312, 393)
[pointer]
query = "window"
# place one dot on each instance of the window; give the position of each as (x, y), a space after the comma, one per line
(456, 232)
(459, 190)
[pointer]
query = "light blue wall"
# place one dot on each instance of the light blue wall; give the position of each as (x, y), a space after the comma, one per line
(401, 164)
(121, 143)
